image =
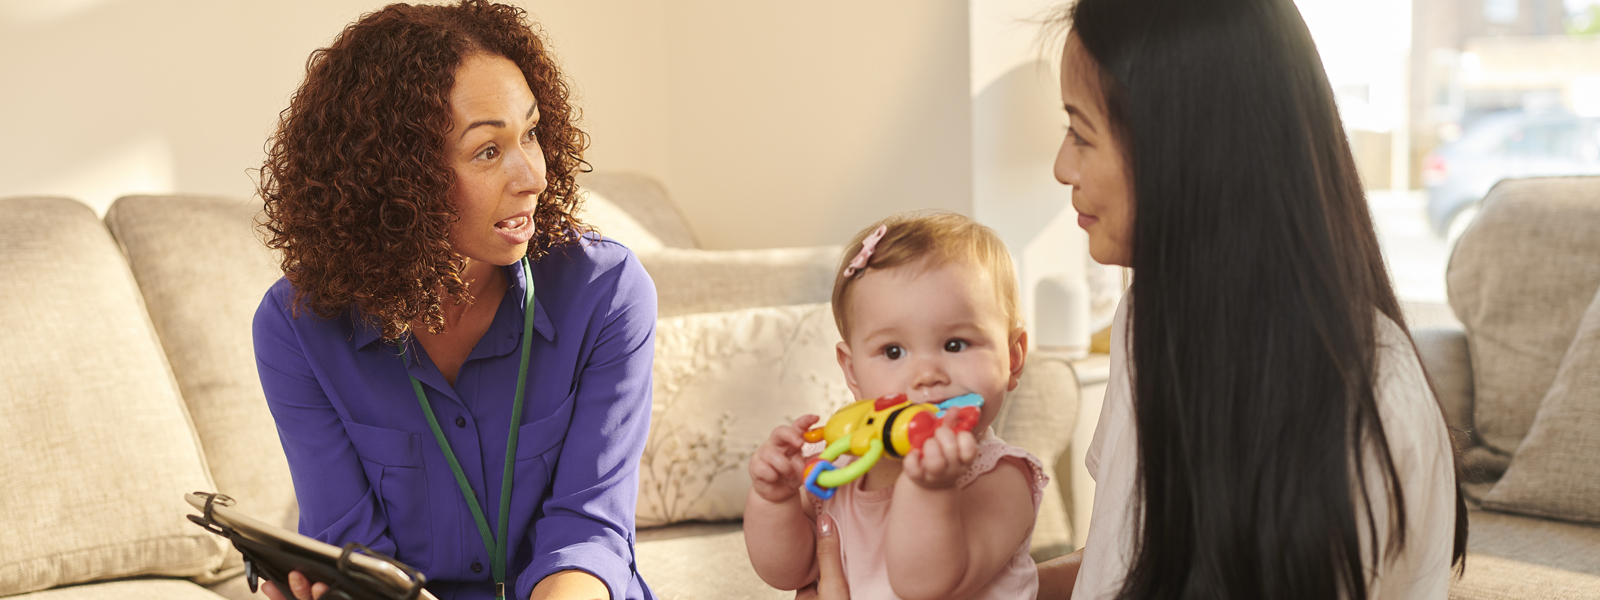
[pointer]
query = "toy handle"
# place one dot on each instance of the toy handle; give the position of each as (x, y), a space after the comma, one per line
(967, 411)
(822, 477)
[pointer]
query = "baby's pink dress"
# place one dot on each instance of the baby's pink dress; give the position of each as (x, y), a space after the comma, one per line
(863, 520)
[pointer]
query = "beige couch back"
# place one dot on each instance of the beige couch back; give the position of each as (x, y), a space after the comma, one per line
(1519, 281)
(202, 272)
(96, 449)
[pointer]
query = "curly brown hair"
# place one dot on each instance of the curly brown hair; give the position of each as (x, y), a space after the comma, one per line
(356, 184)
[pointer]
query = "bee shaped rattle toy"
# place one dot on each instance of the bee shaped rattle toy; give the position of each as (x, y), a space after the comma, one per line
(870, 428)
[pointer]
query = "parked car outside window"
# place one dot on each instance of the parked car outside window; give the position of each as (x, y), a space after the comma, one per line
(1504, 145)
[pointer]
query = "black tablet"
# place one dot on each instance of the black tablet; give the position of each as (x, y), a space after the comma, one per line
(352, 573)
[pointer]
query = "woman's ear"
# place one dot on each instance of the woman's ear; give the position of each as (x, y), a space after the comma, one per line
(847, 364)
(1018, 352)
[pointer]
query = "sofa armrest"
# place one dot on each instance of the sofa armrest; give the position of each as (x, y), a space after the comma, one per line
(1039, 416)
(692, 281)
(1444, 356)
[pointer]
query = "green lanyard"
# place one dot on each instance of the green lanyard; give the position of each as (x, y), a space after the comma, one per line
(494, 544)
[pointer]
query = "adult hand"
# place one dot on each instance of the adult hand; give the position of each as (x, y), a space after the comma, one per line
(830, 584)
(301, 587)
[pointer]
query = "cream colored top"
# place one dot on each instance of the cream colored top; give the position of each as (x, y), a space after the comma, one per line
(1418, 442)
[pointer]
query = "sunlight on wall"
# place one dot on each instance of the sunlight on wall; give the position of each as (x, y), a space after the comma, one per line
(25, 13)
(141, 167)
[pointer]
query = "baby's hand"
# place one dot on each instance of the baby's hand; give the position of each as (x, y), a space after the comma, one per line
(776, 469)
(943, 457)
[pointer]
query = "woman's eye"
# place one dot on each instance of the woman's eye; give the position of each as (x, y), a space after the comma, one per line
(955, 345)
(489, 153)
(894, 352)
(1076, 139)
(533, 135)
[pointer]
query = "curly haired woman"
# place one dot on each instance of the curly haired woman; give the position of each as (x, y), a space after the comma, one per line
(459, 368)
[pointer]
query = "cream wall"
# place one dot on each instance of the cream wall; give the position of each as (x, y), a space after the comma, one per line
(774, 124)
(106, 97)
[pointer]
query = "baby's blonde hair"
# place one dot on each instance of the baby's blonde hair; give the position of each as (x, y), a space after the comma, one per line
(930, 239)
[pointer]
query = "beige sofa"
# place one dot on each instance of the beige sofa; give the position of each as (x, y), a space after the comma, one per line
(127, 380)
(1520, 383)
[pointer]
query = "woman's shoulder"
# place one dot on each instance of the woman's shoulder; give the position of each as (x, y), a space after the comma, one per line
(590, 255)
(1413, 423)
(592, 270)
(283, 309)
(279, 300)
(1401, 384)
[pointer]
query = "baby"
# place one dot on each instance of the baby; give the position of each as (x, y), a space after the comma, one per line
(927, 307)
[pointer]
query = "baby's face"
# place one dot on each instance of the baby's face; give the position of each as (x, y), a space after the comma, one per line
(931, 334)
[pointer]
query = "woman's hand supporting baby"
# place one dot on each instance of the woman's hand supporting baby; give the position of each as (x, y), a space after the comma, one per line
(777, 523)
(947, 541)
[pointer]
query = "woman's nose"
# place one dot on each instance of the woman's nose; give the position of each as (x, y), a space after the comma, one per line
(1066, 167)
(527, 174)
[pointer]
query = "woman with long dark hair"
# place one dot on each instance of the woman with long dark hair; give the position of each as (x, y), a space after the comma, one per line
(1268, 430)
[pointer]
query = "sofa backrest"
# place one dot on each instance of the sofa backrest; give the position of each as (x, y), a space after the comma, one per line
(202, 272)
(96, 448)
(646, 202)
(1519, 280)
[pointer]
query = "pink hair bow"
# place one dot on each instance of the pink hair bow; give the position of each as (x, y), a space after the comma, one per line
(859, 263)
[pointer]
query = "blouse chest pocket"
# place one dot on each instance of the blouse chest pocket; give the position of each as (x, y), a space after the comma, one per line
(392, 460)
(539, 444)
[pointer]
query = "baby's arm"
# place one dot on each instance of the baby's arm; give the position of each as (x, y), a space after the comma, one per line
(778, 527)
(947, 541)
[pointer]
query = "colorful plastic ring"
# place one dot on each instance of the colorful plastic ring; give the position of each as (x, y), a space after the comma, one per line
(811, 480)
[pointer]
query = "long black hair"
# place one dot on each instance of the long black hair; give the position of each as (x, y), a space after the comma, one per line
(1255, 303)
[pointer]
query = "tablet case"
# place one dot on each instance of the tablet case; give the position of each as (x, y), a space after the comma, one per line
(354, 572)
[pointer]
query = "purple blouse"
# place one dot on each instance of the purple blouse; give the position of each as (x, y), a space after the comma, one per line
(367, 469)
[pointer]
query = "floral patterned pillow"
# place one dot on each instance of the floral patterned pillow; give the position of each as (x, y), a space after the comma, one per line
(723, 381)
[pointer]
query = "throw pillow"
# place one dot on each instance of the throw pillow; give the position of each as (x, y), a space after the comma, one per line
(1556, 471)
(1519, 296)
(723, 381)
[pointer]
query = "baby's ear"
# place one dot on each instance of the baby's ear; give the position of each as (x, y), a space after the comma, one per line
(847, 364)
(1018, 353)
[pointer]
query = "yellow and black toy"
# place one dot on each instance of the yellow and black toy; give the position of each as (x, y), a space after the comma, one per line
(871, 428)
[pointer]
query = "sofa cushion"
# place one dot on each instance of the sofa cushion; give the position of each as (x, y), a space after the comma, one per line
(96, 447)
(1512, 556)
(202, 272)
(718, 280)
(145, 589)
(1496, 578)
(701, 560)
(1555, 544)
(1556, 471)
(723, 381)
(1519, 299)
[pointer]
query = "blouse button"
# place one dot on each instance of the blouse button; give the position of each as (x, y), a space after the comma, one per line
(461, 421)
(477, 567)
